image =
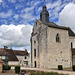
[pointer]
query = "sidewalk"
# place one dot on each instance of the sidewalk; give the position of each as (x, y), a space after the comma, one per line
(8, 74)
(47, 70)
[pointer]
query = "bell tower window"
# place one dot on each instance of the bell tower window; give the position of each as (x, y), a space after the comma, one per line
(57, 37)
(34, 52)
(71, 45)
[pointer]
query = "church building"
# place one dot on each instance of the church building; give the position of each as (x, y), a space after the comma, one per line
(51, 44)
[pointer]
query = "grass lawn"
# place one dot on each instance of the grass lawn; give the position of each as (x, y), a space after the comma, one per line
(46, 73)
(65, 69)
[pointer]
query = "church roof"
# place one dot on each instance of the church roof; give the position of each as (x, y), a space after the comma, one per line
(53, 25)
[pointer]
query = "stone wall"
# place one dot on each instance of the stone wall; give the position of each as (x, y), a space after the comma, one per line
(0, 67)
(20, 58)
(13, 63)
(59, 53)
(49, 53)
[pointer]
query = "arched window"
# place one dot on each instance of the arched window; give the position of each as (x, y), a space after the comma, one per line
(35, 64)
(34, 52)
(71, 45)
(57, 37)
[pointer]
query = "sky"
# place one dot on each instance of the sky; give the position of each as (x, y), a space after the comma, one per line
(17, 18)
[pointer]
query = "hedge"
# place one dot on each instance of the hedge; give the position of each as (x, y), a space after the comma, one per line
(6, 67)
(73, 67)
(46, 73)
(17, 69)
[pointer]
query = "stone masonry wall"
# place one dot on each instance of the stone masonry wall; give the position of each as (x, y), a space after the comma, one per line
(49, 53)
(59, 53)
(0, 67)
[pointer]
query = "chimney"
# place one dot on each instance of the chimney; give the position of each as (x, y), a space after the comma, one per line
(5, 47)
(11, 48)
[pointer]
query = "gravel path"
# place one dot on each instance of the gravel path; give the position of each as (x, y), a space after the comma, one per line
(8, 74)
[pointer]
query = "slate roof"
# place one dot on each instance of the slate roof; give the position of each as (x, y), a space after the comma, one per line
(2, 52)
(53, 25)
(11, 55)
(18, 52)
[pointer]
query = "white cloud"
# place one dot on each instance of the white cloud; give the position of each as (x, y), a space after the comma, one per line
(15, 36)
(28, 16)
(6, 14)
(16, 16)
(55, 4)
(67, 16)
(12, 1)
(29, 9)
(1, 1)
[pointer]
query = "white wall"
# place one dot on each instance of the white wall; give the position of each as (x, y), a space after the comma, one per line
(13, 63)
(3, 57)
(20, 58)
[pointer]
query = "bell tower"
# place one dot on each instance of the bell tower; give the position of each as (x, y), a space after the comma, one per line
(44, 15)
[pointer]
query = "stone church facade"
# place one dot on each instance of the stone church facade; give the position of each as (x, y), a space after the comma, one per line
(51, 44)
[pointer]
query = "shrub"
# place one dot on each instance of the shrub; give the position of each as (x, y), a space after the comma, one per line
(73, 67)
(6, 67)
(32, 73)
(60, 67)
(17, 69)
(46, 73)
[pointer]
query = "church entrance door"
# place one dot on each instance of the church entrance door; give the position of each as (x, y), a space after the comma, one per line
(35, 63)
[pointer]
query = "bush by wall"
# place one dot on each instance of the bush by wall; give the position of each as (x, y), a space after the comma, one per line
(17, 69)
(46, 73)
(60, 67)
(73, 67)
(6, 67)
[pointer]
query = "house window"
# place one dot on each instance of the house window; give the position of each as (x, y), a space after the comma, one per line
(26, 62)
(34, 52)
(25, 57)
(35, 64)
(57, 37)
(71, 45)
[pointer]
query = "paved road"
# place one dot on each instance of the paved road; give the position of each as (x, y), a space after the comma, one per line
(45, 70)
(8, 74)
(11, 74)
(48, 70)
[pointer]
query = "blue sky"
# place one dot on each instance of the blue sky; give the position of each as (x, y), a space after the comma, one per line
(17, 18)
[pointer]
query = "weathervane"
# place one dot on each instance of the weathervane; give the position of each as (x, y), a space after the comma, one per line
(44, 1)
